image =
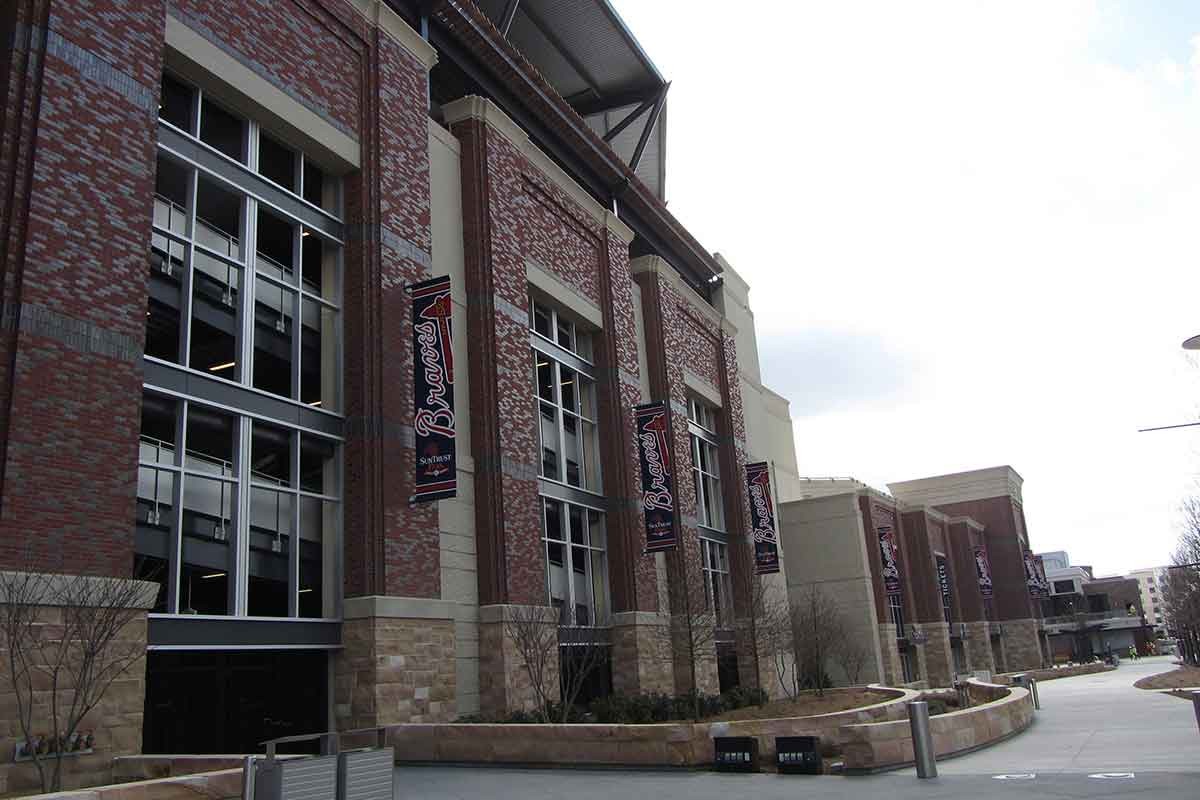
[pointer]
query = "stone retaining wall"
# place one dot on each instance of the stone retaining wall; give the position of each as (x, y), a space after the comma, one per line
(224, 785)
(674, 744)
(881, 746)
(1058, 672)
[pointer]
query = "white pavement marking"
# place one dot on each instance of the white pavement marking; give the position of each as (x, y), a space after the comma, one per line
(1019, 776)
(1112, 775)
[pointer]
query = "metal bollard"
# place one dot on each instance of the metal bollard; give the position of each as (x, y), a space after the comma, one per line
(1196, 705)
(918, 720)
(1037, 701)
(248, 778)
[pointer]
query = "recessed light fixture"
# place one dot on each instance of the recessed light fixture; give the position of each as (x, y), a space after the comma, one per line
(213, 575)
(220, 367)
(315, 403)
(302, 591)
(305, 233)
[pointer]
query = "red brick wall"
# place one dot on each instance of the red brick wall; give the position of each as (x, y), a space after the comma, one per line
(999, 517)
(961, 543)
(514, 213)
(78, 270)
(79, 141)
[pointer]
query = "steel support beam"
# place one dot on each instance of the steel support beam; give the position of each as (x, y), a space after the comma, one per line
(628, 120)
(651, 121)
(510, 13)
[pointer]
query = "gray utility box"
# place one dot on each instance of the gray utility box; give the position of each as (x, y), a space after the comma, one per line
(366, 774)
(313, 778)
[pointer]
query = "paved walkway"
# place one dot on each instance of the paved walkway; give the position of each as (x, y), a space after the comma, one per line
(1088, 725)
(1097, 723)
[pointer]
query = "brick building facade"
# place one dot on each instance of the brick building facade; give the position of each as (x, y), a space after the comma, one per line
(211, 214)
(906, 572)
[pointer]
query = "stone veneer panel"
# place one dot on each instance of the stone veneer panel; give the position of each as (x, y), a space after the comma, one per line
(393, 670)
(641, 658)
(978, 647)
(1022, 644)
(116, 722)
(893, 672)
(939, 661)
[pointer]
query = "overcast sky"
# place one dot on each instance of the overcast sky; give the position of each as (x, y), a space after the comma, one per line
(971, 235)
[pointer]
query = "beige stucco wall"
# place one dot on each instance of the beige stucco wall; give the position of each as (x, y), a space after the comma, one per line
(824, 545)
(456, 518)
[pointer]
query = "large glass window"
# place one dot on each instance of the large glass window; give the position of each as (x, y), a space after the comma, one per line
(896, 609)
(239, 495)
(226, 501)
(576, 564)
(573, 531)
(565, 398)
(706, 465)
(718, 590)
(231, 275)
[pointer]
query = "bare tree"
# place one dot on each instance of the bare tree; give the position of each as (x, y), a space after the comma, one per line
(533, 633)
(1181, 594)
(695, 620)
(65, 641)
(816, 629)
(851, 656)
(773, 635)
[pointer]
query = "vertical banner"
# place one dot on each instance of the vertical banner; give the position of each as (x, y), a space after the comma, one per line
(1033, 580)
(983, 571)
(943, 575)
(762, 518)
(1040, 564)
(433, 391)
(891, 559)
(652, 426)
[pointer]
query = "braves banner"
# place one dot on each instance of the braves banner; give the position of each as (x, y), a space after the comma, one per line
(891, 559)
(433, 391)
(1033, 581)
(1041, 572)
(652, 423)
(983, 571)
(762, 518)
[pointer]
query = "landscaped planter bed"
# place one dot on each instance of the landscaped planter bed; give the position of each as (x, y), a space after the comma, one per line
(675, 744)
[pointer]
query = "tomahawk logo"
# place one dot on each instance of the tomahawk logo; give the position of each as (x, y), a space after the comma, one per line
(654, 449)
(437, 361)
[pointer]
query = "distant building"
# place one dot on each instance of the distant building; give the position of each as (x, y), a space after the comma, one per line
(1153, 582)
(1086, 616)
(930, 580)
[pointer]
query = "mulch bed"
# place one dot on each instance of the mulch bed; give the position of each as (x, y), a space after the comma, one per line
(1175, 679)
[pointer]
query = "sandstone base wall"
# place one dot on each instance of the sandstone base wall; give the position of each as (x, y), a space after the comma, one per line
(394, 669)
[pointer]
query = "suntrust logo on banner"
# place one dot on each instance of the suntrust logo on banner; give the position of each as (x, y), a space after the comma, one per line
(653, 426)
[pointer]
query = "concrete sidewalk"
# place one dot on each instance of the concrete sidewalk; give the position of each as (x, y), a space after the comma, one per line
(1097, 723)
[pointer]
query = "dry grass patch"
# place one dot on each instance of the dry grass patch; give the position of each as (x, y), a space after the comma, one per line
(1175, 679)
(808, 704)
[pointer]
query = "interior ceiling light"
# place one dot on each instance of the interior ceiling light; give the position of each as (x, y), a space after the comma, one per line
(220, 367)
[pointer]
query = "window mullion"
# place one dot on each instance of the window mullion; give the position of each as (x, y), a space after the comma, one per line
(240, 573)
(175, 544)
(186, 280)
(246, 313)
(294, 552)
(556, 390)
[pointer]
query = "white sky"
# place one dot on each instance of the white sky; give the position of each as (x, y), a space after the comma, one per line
(970, 231)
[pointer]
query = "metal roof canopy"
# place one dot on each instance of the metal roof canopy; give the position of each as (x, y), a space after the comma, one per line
(586, 52)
